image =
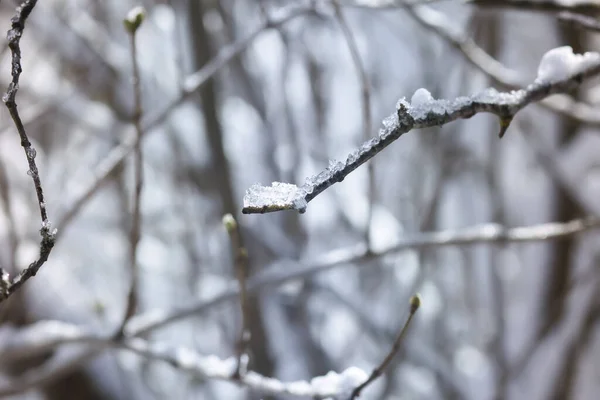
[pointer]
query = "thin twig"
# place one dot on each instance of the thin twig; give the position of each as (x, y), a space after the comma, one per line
(366, 107)
(580, 21)
(132, 23)
(9, 286)
(240, 259)
(415, 302)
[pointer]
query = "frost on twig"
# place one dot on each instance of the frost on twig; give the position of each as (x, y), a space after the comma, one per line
(560, 71)
(8, 286)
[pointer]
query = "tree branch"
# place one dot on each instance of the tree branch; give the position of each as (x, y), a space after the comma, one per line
(415, 302)
(424, 114)
(132, 23)
(7, 285)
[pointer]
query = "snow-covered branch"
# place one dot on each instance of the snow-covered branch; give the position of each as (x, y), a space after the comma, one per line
(560, 71)
(332, 385)
(43, 335)
(438, 23)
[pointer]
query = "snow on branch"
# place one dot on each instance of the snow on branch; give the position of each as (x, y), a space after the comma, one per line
(43, 335)
(332, 385)
(559, 71)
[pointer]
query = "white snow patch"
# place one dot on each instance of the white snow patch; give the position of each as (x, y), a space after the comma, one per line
(421, 97)
(278, 195)
(340, 384)
(561, 63)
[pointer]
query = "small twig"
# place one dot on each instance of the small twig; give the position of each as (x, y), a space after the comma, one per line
(580, 21)
(240, 259)
(133, 21)
(8, 286)
(415, 302)
(366, 107)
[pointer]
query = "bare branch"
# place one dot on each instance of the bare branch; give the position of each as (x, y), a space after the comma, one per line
(284, 196)
(415, 302)
(240, 260)
(132, 23)
(9, 286)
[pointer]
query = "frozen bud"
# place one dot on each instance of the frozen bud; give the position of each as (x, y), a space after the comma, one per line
(229, 222)
(134, 19)
(415, 303)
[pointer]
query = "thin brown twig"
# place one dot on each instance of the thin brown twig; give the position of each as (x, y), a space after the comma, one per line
(132, 23)
(366, 106)
(240, 260)
(415, 302)
(7, 285)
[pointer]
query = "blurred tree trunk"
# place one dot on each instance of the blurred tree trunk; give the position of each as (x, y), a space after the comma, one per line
(560, 270)
(220, 170)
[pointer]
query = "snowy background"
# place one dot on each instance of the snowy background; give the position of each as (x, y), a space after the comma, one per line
(498, 320)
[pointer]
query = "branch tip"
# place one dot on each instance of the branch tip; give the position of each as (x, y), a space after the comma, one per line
(230, 223)
(415, 303)
(134, 19)
(504, 124)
